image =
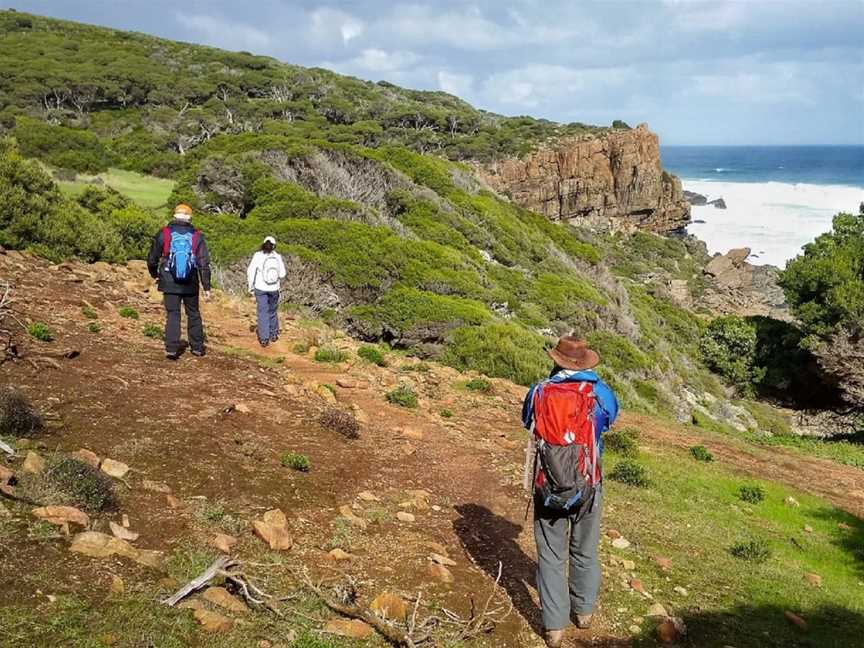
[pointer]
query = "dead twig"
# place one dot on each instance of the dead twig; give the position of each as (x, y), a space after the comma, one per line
(220, 564)
(5, 447)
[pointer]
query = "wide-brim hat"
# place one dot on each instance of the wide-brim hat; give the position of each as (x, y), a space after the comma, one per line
(573, 353)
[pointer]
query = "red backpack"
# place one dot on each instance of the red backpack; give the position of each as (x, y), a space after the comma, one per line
(569, 466)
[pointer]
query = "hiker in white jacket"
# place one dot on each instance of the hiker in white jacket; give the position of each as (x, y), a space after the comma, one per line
(263, 275)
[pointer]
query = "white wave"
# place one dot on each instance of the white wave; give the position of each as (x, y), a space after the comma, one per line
(774, 219)
(720, 170)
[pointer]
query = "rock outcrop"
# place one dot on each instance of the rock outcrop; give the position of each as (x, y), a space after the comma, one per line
(739, 288)
(613, 181)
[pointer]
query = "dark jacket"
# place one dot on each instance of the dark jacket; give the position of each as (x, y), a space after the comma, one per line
(157, 264)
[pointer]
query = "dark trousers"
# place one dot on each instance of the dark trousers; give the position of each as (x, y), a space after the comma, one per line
(193, 322)
(567, 538)
(268, 314)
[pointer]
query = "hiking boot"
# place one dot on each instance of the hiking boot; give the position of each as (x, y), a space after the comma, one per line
(172, 356)
(583, 621)
(554, 638)
(274, 338)
(199, 353)
(263, 343)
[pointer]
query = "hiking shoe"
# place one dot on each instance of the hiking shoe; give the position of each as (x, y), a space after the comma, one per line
(199, 354)
(172, 356)
(263, 343)
(554, 638)
(275, 338)
(583, 621)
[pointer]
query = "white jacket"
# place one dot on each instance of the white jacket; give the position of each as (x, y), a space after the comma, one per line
(263, 264)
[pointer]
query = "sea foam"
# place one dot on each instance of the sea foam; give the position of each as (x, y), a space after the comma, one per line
(773, 219)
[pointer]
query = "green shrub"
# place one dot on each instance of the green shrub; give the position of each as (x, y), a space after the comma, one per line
(499, 351)
(446, 413)
(128, 312)
(153, 331)
(728, 347)
(404, 396)
(89, 312)
(330, 354)
(301, 348)
(40, 331)
(479, 385)
(18, 417)
(755, 551)
(618, 353)
(341, 421)
(372, 354)
(622, 442)
(68, 148)
(631, 473)
(752, 494)
(81, 484)
(94, 327)
(296, 461)
(701, 453)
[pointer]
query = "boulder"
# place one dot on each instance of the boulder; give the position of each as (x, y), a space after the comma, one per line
(352, 628)
(87, 456)
(112, 468)
(389, 606)
(101, 545)
(223, 542)
(273, 529)
(33, 464)
(213, 621)
(61, 515)
(224, 599)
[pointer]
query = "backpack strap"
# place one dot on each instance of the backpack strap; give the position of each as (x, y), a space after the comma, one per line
(196, 240)
(166, 241)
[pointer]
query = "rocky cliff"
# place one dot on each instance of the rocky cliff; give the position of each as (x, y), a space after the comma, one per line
(613, 181)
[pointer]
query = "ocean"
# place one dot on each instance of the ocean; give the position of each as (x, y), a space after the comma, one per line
(778, 198)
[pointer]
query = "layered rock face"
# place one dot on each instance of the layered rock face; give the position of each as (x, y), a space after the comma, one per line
(614, 181)
(739, 288)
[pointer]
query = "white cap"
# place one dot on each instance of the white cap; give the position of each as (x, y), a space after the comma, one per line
(270, 239)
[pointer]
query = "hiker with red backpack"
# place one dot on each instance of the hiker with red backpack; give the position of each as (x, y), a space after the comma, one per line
(566, 415)
(180, 263)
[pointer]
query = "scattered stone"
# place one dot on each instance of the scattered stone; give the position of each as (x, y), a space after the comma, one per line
(346, 383)
(637, 585)
(352, 628)
(808, 528)
(346, 512)
(442, 560)
(213, 621)
(389, 606)
(366, 496)
(438, 548)
(173, 502)
(814, 579)
(671, 630)
(87, 456)
(101, 545)
(121, 532)
(412, 433)
(340, 555)
(843, 526)
(33, 463)
(629, 565)
(657, 610)
(243, 408)
(440, 573)
(613, 534)
(795, 620)
(191, 604)
(273, 530)
(125, 521)
(402, 516)
(620, 543)
(223, 542)
(156, 487)
(680, 590)
(419, 494)
(634, 629)
(791, 501)
(223, 598)
(665, 564)
(62, 515)
(112, 468)
(117, 584)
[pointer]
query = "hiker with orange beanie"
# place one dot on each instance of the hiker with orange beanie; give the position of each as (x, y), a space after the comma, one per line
(180, 263)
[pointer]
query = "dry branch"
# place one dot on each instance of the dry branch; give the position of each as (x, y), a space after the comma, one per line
(220, 564)
(5, 447)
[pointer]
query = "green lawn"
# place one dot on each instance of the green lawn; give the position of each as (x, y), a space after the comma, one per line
(144, 190)
(691, 513)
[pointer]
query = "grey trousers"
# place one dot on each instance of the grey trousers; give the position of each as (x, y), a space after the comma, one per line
(268, 314)
(562, 537)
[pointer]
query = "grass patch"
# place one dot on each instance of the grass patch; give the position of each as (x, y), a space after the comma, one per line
(153, 331)
(18, 417)
(94, 327)
(751, 493)
(622, 442)
(446, 413)
(330, 354)
(144, 190)
(755, 551)
(479, 385)
(701, 453)
(296, 461)
(217, 514)
(372, 354)
(403, 396)
(631, 473)
(341, 421)
(40, 331)
(89, 312)
(128, 312)
(67, 481)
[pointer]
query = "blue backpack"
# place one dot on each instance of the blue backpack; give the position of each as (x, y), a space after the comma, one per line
(179, 249)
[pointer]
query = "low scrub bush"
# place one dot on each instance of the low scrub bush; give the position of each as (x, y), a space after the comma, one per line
(153, 331)
(404, 396)
(89, 312)
(40, 331)
(372, 354)
(499, 351)
(128, 312)
(728, 347)
(296, 461)
(479, 385)
(446, 413)
(18, 418)
(622, 442)
(751, 493)
(631, 473)
(94, 327)
(301, 348)
(755, 551)
(701, 453)
(341, 421)
(330, 354)
(81, 484)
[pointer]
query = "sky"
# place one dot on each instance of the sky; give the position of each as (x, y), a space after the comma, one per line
(698, 72)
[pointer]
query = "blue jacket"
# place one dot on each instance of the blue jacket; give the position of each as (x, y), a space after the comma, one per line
(605, 412)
